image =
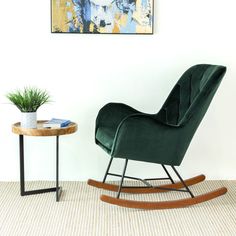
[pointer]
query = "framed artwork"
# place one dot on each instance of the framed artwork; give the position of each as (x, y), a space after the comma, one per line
(102, 16)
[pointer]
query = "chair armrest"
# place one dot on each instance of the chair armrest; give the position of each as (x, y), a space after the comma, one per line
(142, 137)
(112, 114)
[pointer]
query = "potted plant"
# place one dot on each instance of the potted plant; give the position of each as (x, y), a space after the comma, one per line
(28, 101)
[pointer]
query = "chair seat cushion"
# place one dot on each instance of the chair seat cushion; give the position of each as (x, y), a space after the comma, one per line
(105, 136)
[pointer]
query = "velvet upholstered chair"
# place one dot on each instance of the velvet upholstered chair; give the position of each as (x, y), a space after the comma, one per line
(161, 138)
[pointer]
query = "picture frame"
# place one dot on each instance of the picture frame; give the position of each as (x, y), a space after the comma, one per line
(102, 16)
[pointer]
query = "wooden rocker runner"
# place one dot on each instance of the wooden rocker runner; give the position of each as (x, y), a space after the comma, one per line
(161, 138)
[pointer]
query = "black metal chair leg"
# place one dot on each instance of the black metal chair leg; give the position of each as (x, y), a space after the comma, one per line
(108, 168)
(172, 181)
(176, 172)
(122, 178)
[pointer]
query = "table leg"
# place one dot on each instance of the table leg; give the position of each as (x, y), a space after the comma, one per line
(56, 189)
(22, 171)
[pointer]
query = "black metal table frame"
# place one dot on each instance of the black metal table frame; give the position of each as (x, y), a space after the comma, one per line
(23, 192)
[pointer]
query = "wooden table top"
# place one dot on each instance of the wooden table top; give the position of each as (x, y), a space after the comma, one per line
(41, 131)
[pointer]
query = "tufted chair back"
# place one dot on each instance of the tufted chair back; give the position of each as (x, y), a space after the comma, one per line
(195, 87)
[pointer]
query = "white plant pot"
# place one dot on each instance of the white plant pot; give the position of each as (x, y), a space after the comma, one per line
(29, 120)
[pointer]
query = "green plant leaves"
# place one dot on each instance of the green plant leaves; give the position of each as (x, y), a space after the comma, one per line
(29, 99)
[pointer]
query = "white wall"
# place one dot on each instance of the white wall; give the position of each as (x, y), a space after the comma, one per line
(137, 70)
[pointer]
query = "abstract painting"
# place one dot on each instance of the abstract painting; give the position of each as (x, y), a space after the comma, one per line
(102, 16)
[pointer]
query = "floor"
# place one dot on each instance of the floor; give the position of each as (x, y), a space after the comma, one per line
(80, 212)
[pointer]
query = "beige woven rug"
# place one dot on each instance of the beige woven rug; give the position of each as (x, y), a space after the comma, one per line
(80, 212)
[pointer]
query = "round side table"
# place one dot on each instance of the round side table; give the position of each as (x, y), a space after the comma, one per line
(41, 131)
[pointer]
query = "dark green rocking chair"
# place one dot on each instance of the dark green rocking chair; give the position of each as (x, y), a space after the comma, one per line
(161, 138)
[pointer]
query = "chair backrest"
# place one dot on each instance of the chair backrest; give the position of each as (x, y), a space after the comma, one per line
(192, 94)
